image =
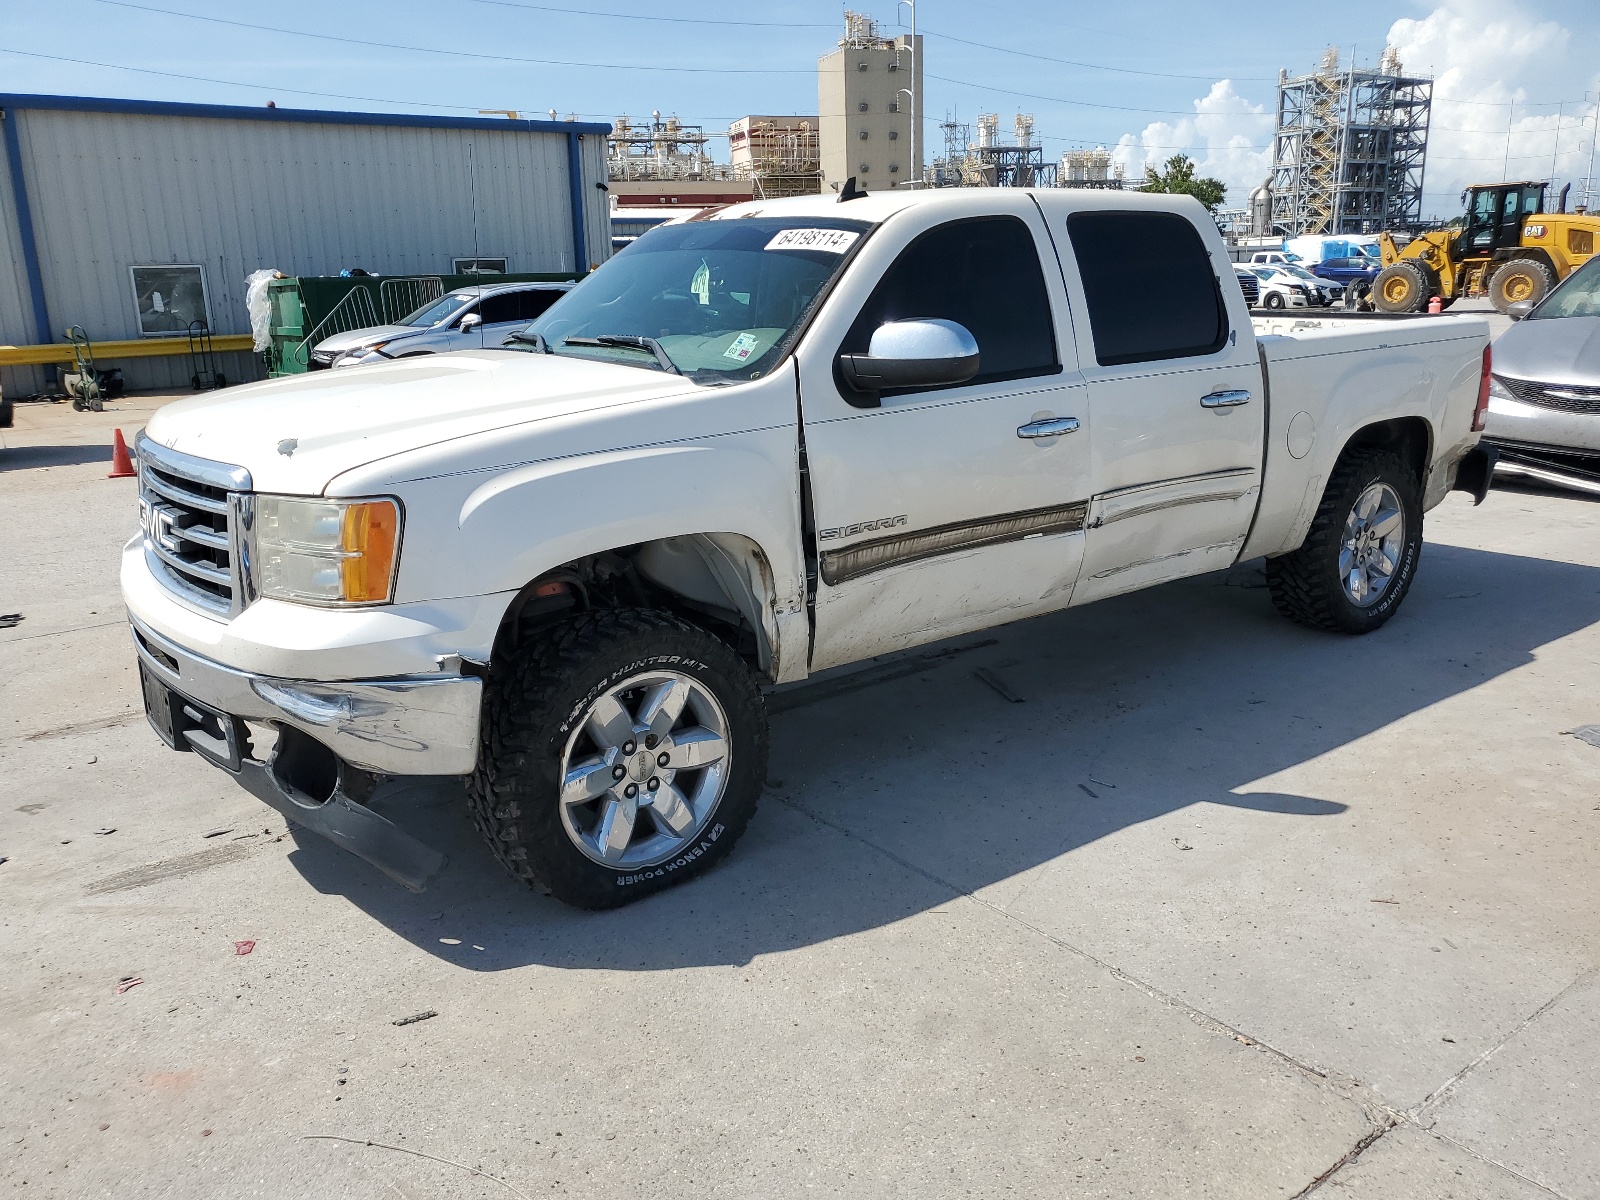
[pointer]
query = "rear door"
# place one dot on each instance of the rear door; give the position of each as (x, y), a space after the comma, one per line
(1175, 398)
(939, 511)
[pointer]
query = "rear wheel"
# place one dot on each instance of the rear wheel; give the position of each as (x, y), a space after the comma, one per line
(1358, 560)
(1401, 287)
(1520, 279)
(622, 752)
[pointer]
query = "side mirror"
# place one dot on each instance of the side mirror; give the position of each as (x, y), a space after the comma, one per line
(470, 322)
(1519, 309)
(926, 352)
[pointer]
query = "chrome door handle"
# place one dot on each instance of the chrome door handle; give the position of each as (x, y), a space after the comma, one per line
(1050, 427)
(1224, 399)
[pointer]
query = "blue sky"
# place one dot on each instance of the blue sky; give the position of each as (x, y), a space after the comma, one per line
(1151, 78)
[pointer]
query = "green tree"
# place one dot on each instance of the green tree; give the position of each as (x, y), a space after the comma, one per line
(1178, 177)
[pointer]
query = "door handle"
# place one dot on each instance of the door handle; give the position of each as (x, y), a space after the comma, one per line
(1050, 427)
(1225, 399)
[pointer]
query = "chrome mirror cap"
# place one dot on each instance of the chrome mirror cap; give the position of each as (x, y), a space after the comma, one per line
(927, 352)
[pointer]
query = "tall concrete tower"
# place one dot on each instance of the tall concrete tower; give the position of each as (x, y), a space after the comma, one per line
(869, 108)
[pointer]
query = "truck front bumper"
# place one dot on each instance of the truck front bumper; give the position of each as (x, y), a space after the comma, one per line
(418, 725)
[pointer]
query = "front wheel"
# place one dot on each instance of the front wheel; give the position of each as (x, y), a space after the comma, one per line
(1274, 300)
(1401, 287)
(1358, 560)
(1520, 279)
(622, 752)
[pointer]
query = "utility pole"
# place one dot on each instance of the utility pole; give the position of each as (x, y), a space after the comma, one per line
(1505, 167)
(1555, 154)
(1588, 180)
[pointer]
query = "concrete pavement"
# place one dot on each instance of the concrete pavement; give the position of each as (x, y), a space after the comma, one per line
(1221, 908)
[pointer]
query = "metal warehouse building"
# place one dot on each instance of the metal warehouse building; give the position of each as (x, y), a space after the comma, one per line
(202, 195)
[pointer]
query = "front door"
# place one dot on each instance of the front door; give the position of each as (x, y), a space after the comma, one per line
(1175, 399)
(940, 511)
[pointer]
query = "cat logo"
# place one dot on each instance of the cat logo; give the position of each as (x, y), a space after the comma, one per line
(844, 531)
(1533, 231)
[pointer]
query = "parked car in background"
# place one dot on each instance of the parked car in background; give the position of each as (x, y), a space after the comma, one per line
(469, 318)
(1278, 289)
(1312, 249)
(1544, 399)
(1354, 274)
(1319, 292)
(1248, 284)
(1267, 257)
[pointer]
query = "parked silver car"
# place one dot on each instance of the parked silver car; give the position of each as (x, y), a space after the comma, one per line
(1544, 398)
(468, 318)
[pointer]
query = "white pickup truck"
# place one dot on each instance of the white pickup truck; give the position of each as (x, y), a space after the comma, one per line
(778, 438)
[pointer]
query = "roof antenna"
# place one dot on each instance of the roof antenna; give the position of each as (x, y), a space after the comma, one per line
(850, 191)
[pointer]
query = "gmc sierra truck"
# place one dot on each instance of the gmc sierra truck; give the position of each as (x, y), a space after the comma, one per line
(777, 438)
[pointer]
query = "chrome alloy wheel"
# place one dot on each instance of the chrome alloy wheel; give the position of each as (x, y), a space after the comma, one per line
(644, 772)
(1374, 539)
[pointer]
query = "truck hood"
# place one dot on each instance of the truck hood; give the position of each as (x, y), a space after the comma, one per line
(1551, 350)
(295, 435)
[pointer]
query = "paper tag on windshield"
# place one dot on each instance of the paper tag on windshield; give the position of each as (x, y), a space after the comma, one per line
(743, 347)
(829, 241)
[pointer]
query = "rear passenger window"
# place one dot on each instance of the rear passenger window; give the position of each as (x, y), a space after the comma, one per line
(1152, 293)
(533, 303)
(983, 274)
(502, 308)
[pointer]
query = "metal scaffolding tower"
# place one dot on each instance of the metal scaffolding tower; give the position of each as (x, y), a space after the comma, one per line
(1350, 149)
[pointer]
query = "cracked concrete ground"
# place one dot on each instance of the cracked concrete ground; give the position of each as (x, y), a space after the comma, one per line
(1223, 908)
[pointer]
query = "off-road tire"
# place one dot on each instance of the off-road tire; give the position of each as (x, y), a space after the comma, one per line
(1517, 276)
(1400, 287)
(535, 697)
(1305, 583)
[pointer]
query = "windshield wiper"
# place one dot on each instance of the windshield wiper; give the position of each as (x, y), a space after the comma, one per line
(528, 338)
(628, 341)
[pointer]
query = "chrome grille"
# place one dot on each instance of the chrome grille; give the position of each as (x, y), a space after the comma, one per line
(1563, 397)
(190, 510)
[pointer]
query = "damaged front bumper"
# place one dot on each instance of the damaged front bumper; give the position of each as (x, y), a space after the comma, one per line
(334, 737)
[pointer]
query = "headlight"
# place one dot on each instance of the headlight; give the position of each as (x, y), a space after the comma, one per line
(326, 551)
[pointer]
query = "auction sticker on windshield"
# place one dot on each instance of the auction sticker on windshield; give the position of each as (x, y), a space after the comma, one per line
(743, 347)
(829, 241)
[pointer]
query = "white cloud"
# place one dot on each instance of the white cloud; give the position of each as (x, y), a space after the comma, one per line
(1488, 60)
(1225, 138)
(1491, 60)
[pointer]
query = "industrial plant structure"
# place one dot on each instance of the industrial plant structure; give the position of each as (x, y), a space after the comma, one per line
(869, 105)
(781, 156)
(989, 162)
(1350, 149)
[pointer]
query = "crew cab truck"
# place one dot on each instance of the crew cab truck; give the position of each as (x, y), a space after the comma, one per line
(778, 438)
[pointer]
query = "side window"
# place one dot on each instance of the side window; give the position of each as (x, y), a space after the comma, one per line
(533, 303)
(983, 274)
(1151, 291)
(499, 309)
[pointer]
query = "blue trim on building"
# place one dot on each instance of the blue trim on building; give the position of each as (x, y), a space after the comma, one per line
(293, 116)
(580, 246)
(25, 233)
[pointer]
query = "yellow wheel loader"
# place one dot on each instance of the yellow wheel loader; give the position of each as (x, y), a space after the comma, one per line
(1508, 249)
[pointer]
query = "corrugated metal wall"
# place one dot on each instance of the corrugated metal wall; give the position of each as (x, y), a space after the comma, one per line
(112, 190)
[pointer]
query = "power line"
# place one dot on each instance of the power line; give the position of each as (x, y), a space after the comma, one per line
(511, 58)
(1068, 62)
(616, 16)
(264, 87)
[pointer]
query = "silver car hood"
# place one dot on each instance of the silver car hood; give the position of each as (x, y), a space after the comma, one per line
(1551, 350)
(340, 342)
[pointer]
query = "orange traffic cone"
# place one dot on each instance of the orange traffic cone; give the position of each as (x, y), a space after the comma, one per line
(121, 464)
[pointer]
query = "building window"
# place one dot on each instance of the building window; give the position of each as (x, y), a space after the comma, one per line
(863, 135)
(169, 299)
(861, 66)
(894, 168)
(863, 106)
(478, 266)
(894, 135)
(865, 168)
(894, 106)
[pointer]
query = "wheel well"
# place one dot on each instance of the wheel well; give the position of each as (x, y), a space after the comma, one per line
(1537, 253)
(1409, 437)
(721, 582)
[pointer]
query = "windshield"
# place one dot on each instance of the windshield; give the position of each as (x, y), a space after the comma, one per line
(721, 298)
(1579, 296)
(1300, 273)
(435, 311)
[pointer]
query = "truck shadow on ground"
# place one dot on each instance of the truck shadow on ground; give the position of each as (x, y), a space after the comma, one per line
(886, 801)
(23, 458)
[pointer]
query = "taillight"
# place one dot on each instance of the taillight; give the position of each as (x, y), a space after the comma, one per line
(1480, 416)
